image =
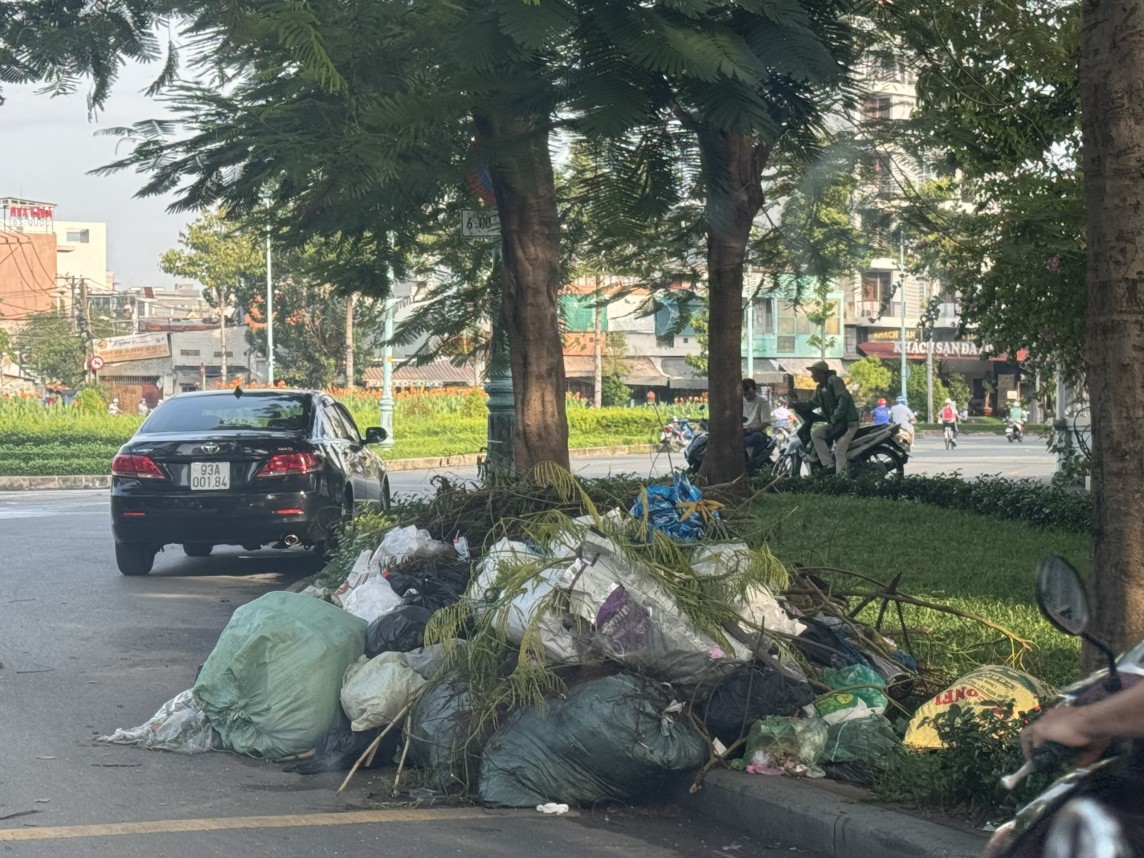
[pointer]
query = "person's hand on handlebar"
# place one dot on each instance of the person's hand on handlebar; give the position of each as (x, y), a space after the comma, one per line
(1069, 726)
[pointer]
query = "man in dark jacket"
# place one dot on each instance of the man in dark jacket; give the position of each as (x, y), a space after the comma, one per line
(834, 402)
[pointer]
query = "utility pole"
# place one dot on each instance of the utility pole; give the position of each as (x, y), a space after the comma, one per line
(222, 330)
(350, 339)
(750, 325)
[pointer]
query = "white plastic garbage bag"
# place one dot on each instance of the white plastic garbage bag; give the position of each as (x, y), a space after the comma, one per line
(179, 725)
(376, 690)
(401, 543)
(371, 599)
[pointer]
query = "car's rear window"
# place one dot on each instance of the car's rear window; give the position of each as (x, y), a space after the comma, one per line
(288, 412)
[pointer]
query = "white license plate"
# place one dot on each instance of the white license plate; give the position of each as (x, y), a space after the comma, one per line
(207, 476)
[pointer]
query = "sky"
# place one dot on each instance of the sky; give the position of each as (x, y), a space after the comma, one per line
(47, 147)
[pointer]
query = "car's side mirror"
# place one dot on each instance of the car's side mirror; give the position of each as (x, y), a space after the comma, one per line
(1061, 596)
(375, 435)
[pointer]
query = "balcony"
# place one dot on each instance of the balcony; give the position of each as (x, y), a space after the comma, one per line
(870, 312)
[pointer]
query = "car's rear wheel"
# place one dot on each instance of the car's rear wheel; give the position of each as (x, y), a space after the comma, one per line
(197, 549)
(133, 558)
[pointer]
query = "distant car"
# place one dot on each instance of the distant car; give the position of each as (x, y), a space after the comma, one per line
(251, 468)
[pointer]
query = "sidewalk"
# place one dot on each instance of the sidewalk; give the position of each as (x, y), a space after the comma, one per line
(827, 817)
(103, 481)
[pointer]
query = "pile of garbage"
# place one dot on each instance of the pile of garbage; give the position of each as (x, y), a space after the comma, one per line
(592, 658)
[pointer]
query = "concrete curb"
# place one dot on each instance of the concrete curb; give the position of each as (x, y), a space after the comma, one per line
(103, 481)
(826, 817)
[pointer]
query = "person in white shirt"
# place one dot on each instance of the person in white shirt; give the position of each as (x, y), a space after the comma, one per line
(756, 418)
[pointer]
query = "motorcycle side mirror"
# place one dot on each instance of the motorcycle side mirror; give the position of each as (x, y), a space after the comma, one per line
(1062, 599)
(1061, 596)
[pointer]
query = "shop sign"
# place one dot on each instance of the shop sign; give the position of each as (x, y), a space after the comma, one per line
(138, 347)
(955, 349)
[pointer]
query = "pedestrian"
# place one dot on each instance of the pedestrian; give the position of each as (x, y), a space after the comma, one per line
(142, 407)
(113, 406)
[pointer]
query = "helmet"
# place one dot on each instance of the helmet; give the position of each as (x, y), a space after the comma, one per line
(949, 402)
(882, 401)
(901, 400)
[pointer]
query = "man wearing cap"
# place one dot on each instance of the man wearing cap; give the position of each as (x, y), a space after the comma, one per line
(834, 402)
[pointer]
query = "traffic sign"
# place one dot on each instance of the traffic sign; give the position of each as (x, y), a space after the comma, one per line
(96, 363)
(480, 224)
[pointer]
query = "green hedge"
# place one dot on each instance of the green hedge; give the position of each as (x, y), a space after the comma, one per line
(1022, 500)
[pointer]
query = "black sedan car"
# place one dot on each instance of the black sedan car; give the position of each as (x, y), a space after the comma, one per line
(233, 467)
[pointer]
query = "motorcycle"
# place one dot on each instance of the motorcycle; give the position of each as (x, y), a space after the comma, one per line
(693, 453)
(1092, 811)
(873, 449)
(676, 435)
(1014, 431)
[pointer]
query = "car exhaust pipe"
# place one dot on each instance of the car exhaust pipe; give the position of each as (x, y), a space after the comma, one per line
(287, 541)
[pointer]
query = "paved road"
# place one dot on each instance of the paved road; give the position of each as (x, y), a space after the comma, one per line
(975, 455)
(84, 650)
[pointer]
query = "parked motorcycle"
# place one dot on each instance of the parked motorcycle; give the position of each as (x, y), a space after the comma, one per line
(693, 453)
(1014, 431)
(875, 450)
(1094, 811)
(676, 435)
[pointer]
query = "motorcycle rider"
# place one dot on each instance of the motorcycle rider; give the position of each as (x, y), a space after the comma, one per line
(881, 413)
(1017, 417)
(949, 418)
(833, 401)
(1090, 729)
(756, 418)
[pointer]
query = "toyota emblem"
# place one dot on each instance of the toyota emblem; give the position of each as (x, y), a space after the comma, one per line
(210, 448)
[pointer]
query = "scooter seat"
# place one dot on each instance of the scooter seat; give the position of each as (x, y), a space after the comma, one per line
(869, 430)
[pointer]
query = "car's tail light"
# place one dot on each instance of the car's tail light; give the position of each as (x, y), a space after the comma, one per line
(139, 467)
(285, 464)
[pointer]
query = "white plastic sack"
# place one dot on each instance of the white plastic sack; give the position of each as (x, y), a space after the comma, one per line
(428, 660)
(376, 690)
(179, 725)
(557, 632)
(371, 599)
(401, 543)
(637, 621)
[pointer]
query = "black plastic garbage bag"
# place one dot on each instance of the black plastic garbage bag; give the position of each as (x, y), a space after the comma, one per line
(749, 694)
(439, 728)
(401, 630)
(340, 748)
(859, 749)
(820, 643)
(609, 738)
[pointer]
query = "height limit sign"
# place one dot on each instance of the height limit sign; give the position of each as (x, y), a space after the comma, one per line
(480, 224)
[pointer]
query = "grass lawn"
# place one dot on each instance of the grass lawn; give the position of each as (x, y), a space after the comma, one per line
(979, 564)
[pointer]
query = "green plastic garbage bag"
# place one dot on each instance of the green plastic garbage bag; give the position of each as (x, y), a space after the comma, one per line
(858, 750)
(610, 738)
(271, 686)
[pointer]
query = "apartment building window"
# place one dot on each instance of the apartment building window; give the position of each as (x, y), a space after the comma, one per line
(877, 287)
(229, 354)
(189, 352)
(767, 324)
(877, 107)
(79, 236)
(665, 342)
(784, 344)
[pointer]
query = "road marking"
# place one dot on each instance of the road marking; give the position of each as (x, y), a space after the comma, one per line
(179, 826)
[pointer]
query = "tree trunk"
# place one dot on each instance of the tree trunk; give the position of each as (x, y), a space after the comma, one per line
(525, 190)
(1112, 97)
(732, 165)
(597, 350)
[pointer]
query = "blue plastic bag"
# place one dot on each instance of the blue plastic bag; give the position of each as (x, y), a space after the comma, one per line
(667, 509)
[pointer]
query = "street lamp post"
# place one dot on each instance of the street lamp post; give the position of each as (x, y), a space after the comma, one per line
(386, 404)
(902, 296)
(269, 316)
